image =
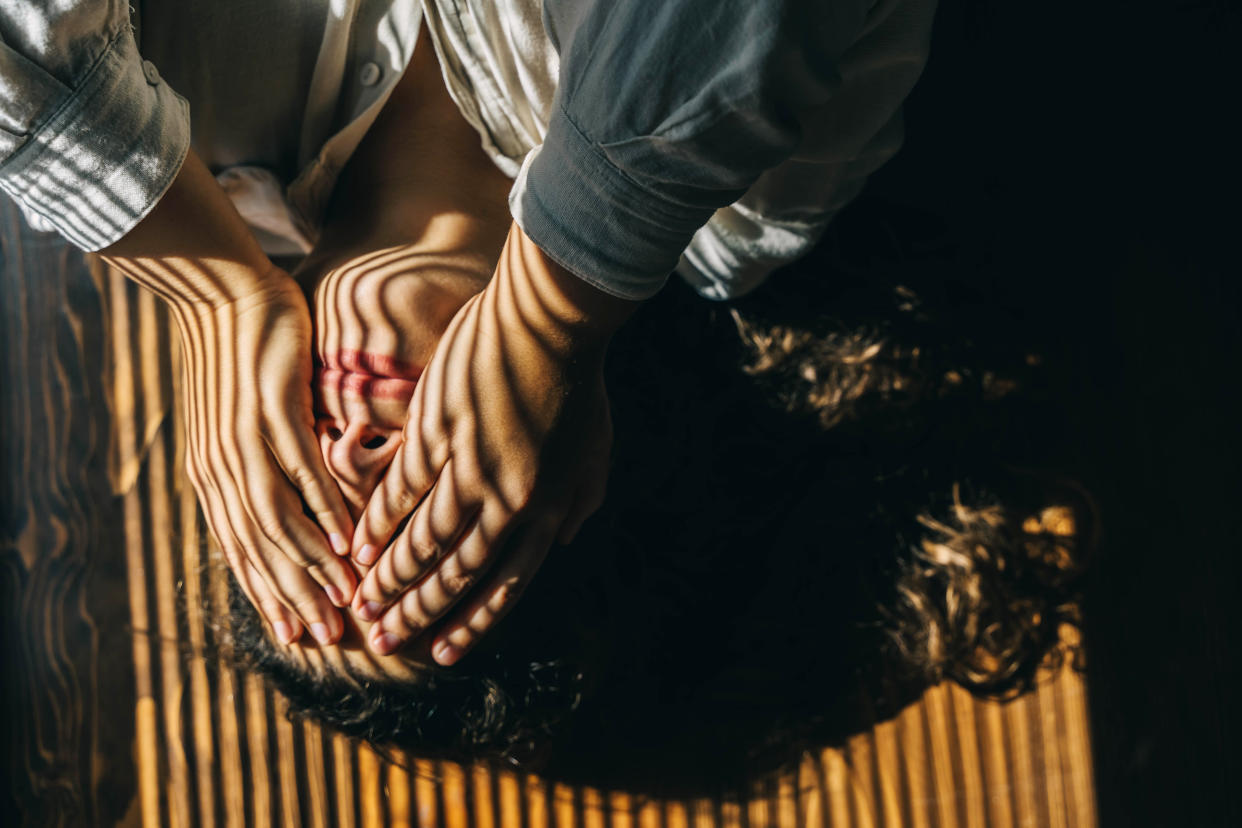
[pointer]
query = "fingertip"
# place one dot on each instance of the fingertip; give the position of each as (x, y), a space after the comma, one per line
(385, 643)
(284, 632)
(445, 653)
(335, 595)
(367, 554)
(339, 545)
(321, 633)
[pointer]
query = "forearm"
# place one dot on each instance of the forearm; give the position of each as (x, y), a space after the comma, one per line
(193, 249)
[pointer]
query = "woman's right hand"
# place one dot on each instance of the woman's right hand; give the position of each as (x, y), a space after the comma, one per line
(251, 450)
(254, 460)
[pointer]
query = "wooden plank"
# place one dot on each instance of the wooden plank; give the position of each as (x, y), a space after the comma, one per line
(370, 805)
(973, 793)
(996, 777)
(918, 795)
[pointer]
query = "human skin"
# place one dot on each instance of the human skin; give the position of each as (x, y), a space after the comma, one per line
(245, 335)
(525, 426)
(377, 317)
(504, 442)
(505, 451)
(414, 229)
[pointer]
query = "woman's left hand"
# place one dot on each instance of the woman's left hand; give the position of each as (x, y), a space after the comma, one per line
(505, 451)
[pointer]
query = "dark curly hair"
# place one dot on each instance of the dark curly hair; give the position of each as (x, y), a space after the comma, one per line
(496, 707)
(988, 589)
(990, 596)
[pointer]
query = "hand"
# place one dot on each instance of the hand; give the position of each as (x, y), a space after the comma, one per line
(245, 336)
(253, 459)
(505, 450)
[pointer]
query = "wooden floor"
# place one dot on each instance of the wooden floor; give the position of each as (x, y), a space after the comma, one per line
(118, 711)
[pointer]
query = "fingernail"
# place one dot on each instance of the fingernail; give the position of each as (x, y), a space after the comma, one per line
(367, 554)
(386, 643)
(446, 654)
(321, 633)
(339, 546)
(369, 611)
(334, 594)
(284, 632)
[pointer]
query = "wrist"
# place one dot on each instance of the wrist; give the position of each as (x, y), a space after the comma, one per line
(193, 249)
(570, 316)
(197, 288)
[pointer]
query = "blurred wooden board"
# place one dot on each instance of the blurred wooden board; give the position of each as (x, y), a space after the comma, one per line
(116, 712)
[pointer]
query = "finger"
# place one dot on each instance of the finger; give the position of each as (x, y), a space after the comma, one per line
(409, 477)
(285, 625)
(260, 503)
(424, 451)
(277, 512)
(297, 453)
(431, 532)
(491, 600)
(296, 590)
(422, 605)
(294, 586)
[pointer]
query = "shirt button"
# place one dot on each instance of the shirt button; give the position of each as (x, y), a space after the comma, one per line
(369, 75)
(150, 73)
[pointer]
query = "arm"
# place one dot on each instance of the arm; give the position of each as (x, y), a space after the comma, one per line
(664, 113)
(251, 454)
(94, 144)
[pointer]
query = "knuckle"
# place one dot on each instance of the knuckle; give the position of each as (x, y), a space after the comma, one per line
(275, 527)
(271, 609)
(424, 550)
(306, 605)
(402, 501)
(326, 518)
(458, 583)
(507, 594)
(472, 478)
(303, 478)
(412, 617)
(517, 493)
(382, 588)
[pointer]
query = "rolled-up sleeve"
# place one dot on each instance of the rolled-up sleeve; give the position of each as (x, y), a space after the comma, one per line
(666, 111)
(90, 135)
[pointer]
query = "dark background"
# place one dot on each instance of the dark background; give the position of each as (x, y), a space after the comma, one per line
(1089, 155)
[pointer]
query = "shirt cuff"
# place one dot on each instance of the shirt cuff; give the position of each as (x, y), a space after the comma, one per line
(590, 217)
(107, 155)
(738, 249)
